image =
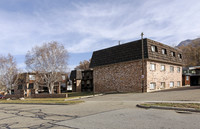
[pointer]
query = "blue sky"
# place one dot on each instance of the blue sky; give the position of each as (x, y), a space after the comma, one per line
(84, 26)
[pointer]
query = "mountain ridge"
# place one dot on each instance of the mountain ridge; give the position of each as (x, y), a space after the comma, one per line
(187, 42)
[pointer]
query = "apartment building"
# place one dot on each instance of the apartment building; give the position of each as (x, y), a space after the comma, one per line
(82, 80)
(191, 76)
(119, 68)
(31, 83)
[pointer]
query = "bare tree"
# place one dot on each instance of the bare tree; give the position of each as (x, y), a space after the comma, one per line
(8, 71)
(83, 65)
(49, 60)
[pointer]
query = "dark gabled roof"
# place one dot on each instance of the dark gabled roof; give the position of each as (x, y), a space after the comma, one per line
(120, 53)
(76, 74)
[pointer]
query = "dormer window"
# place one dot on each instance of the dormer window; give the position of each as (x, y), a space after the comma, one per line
(180, 56)
(154, 48)
(164, 51)
(173, 54)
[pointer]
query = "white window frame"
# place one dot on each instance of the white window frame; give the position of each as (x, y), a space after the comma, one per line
(162, 86)
(161, 68)
(152, 86)
(173, 54)
(178, 83)
(171, 85)
(178, 69)
(154, 48)
(164, 51)
(152, 68)
(171, 68)
(180, 56)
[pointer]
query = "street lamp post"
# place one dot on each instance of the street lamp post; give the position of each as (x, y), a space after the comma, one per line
(142, 34)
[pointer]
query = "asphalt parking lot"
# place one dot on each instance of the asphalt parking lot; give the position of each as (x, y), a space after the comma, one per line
(112, 111)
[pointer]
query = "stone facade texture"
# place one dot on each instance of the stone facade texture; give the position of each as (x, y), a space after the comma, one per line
(158, 56)
(157, 76)
(120, 77)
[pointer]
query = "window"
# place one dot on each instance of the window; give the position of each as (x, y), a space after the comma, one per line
(171, 68)
(82, 82)
(164, 51)
(88, 81)
(162, 67)
(162, 86)
(173, 54)
(63, 85)
(152, 86)
(31, 77)
(19, 87)
(153, 67)
(193, 71)
(178, 69)
(31, 85)
(171, 84)
(180, 56)
(63, 77)
(178, 83)
(154, 49)
(187, 78)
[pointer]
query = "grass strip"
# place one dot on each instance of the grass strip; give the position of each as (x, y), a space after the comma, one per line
(179, 105)
(41, 101)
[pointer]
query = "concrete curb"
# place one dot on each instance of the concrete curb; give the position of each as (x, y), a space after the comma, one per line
(38, 103)
(84, 97)
(168, 108)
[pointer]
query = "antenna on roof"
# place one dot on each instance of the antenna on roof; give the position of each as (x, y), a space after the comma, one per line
(119, 42)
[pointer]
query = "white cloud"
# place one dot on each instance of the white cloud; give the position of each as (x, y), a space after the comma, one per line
(88, 26)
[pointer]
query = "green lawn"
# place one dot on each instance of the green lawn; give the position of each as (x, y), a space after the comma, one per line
(180, 105)
(42, 101)
(50, 100)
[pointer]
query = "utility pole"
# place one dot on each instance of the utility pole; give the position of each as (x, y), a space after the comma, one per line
(142, 62)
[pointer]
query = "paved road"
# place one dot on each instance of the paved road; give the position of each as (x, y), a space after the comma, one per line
(114, 111)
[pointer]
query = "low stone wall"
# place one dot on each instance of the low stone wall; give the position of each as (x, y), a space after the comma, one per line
(49, 95)
(15, 96)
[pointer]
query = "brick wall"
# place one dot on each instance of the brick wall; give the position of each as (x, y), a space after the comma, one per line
(119, 77)
(166, 76)
(15, 96)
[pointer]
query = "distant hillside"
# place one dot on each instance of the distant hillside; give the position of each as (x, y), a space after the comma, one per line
(191, 51)
(188, 41)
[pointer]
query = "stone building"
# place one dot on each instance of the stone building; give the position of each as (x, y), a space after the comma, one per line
(119, 68)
